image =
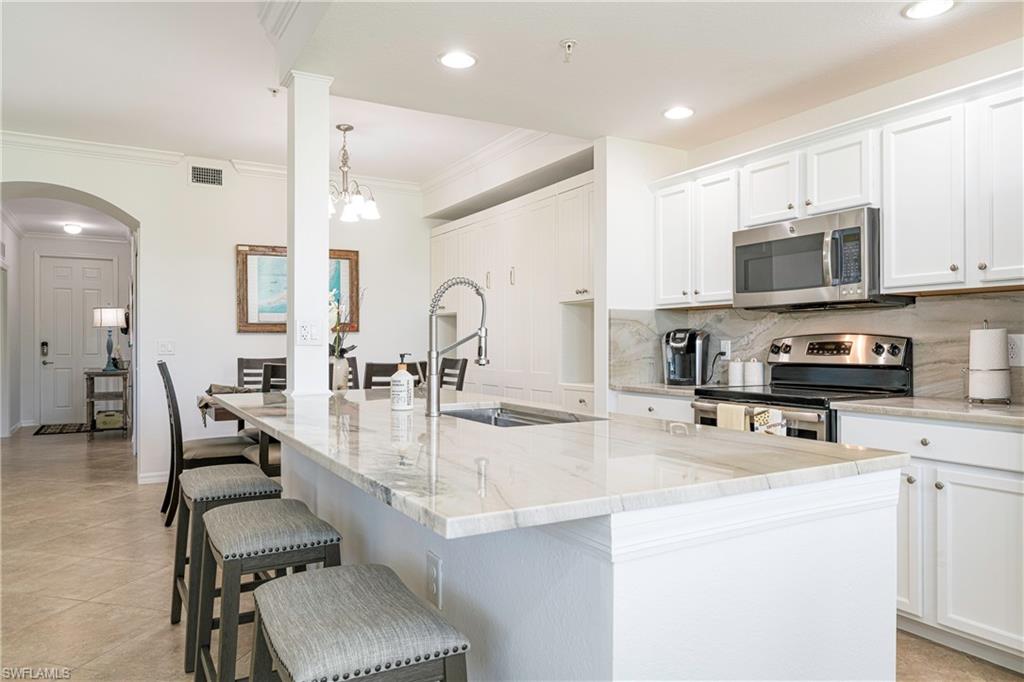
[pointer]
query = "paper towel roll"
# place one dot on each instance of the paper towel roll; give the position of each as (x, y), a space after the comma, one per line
(736, 373)
(991, 384)
(753, 373)
(989, 349)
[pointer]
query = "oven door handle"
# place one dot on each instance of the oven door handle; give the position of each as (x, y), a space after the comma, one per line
(788, 415)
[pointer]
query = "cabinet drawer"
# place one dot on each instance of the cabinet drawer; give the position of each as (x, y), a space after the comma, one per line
(578, 400)
(937, 440)
(655, 406)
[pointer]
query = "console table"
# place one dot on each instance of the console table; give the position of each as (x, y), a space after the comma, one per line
(122, 396)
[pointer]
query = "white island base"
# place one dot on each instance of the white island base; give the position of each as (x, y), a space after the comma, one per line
(789, 583)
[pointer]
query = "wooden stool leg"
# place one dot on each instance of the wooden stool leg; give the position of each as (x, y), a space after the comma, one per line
(455, 668)
(332, 555)
(207, 584)
(260, 661)
(180, 551)
(230, 588)
(198, 531)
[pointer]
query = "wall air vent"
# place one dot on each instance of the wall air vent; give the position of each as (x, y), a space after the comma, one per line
(202, 175)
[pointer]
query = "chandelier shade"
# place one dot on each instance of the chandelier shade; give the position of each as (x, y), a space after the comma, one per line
(356, 200)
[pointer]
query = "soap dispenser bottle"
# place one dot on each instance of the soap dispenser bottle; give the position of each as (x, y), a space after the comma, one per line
(401, 386)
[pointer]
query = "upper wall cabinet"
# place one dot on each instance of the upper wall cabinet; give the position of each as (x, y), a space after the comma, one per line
(770, 190)
(994, 207)
(841, 173)
(672, 237)
(574, 245)
(715, 218)
(923, 201)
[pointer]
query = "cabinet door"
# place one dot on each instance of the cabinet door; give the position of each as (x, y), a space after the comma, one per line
(715, 218)
(491, 253)
(515, 335)
(578, 400)
(923, 200)
(980, 553)
(540, 279)
(770, 190)
(574, 247)
(672, 238)
(994, 194)
(910, 536)
(839, 173)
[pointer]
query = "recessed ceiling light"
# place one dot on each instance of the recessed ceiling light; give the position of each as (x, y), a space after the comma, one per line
(677, 112)
(926, 9)
(457, 59)
(71, 228)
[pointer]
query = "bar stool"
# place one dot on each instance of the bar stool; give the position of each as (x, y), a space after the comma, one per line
(349, 622)
(248, 538)
(202, 490)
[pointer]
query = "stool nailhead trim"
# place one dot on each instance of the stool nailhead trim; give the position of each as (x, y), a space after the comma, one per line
(455, 650)
(275, 550)
(214, 498)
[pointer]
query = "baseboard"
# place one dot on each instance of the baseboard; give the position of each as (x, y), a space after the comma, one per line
(21, 425)
(147, 479)
(1002, 658)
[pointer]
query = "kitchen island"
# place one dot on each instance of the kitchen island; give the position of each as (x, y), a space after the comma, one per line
(621, 548)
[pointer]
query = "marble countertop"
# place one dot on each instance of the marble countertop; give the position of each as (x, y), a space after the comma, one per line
(949, 409)
(655, 389)
(461, 478)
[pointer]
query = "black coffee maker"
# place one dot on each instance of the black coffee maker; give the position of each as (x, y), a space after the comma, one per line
(686, 357)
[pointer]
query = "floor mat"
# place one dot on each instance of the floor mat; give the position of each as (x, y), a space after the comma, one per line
(58, 429)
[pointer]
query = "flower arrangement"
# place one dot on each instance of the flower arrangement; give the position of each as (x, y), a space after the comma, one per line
(339, 315)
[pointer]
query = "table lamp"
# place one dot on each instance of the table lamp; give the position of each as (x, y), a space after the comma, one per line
(109, 318)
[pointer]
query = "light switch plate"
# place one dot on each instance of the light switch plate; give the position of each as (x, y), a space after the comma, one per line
(434, 579)
(165, 347)
(1016, 348)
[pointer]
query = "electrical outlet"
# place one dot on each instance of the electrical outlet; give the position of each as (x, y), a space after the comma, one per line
(434, 579)
(725, 345)
(1016, 349)
(308, 333)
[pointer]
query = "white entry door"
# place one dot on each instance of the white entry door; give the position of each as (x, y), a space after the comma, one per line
(69, 288)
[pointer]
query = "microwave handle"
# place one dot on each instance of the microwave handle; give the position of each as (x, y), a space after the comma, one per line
(829, 254)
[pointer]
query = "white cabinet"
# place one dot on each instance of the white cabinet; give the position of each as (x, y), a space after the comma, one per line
(672, 237)
(578, 399)
(923, 238)
(770, 190)
(910, 539)
(575, 244)
(445, 263)
(840, 173)
(715, 218)
(994, 207)
(659, 407)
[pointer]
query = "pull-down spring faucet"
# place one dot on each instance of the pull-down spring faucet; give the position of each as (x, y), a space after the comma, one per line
(434, 355)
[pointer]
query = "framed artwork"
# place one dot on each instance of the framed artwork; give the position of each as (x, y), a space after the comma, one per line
(261, 287)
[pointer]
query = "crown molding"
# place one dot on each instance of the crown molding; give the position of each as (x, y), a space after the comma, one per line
(489, 153)
(97, 150)
(12, 221)
(255, 169)
(275, 17)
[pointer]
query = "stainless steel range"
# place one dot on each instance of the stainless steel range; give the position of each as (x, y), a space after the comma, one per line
(808, 374)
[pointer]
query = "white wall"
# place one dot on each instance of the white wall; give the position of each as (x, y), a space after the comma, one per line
(10, 375)
(186, 286)
(33, 248)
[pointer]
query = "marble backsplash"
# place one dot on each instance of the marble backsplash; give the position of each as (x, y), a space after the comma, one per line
(939, 326)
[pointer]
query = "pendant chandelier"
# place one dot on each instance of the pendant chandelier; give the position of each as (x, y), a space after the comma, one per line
(357, 202)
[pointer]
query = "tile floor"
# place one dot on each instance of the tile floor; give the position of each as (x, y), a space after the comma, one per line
(85, 573)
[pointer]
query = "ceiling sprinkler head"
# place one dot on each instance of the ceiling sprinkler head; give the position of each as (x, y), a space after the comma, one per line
(568, 45)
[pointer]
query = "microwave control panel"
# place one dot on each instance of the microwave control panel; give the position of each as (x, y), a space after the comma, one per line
(849, 255)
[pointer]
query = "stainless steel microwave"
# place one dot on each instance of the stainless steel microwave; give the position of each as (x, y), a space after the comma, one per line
(821, 262)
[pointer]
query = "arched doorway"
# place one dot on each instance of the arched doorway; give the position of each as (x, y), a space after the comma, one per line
(49, 253)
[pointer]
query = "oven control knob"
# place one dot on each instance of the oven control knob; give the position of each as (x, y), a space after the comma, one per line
(878, 349)
(774, 350)
(894, 350)
(786, 348)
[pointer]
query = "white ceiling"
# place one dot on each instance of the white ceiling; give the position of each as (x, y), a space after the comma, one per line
(48, 217)
(193, 78)
(739, 65)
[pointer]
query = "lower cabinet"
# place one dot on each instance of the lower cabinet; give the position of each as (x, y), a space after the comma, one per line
(578, 399)
(642, 405)
(961, 525)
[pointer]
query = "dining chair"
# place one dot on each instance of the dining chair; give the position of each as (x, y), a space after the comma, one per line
(250, 375)
(452, 371)
(275, 377)
(191, 454)
(378, 374)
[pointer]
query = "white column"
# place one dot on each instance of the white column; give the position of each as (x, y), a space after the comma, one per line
(309, 138)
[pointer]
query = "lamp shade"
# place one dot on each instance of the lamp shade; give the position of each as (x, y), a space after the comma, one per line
(108, 317)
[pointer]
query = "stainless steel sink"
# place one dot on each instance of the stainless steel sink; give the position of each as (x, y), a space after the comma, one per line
(517, 415)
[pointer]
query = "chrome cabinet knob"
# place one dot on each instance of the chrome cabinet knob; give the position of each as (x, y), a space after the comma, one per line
(650, 408)
(807, 202)
(684, 292)
(925, 442)
(983, 265)
(584, 291)
(790, 206)
(954, 267)
(939, 485)
(583, 401)
(696, 292)
(911, 479)
(578, 292)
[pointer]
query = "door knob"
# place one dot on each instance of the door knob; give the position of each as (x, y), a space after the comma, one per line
(983, 265)
(954, 267)
(46, 362)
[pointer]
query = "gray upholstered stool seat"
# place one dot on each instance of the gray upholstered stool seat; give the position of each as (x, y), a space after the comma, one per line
(346, 622)
(227, 481)
(265, 527)
(252, 453)
(213, 448)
